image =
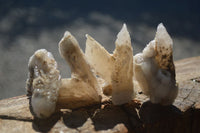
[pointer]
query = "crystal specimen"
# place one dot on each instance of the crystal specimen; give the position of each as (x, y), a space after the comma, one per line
(101, 61)
(48, 90)
(43, 83)
(116, 69)
(122, 75)
(154, 69)
(82, 89)
(99, 58)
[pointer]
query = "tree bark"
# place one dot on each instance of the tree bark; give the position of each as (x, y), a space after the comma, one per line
(140, 115)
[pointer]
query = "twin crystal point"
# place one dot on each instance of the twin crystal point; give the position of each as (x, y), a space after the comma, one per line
(82, 88)
(116, 69)
(154, 69)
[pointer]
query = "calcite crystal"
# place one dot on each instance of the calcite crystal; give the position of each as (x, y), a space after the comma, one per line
(154, 69)
(43, 83)
(116, 69)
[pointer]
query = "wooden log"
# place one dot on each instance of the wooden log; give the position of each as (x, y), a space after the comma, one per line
(139, 116)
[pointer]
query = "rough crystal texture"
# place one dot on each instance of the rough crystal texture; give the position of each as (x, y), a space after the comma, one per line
(75, 93)
(43, 83)
(154, 69)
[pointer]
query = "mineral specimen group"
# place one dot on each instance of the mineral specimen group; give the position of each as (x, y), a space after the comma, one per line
(97, 73)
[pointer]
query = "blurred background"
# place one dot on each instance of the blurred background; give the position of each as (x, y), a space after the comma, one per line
(28, 25)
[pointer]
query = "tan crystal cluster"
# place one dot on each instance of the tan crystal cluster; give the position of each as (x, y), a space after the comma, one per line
(97, 73)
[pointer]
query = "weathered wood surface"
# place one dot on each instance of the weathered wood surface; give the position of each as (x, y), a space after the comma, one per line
(138, 116)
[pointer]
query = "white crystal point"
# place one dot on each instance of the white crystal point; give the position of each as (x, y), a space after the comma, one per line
(122, 74)
(162, 37)
(154, 69)
(149, 50)
(81, 70)
(99, 58)
(163, 47)
(123, 37)
(43, 83)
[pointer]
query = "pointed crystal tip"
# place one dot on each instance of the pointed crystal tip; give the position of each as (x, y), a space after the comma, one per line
(123, 36)
(160, 26)
(162, 36)
(67, 33)
(161, 29)
(86, 35)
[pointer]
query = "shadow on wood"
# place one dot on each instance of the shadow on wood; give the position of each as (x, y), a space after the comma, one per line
(45, 125)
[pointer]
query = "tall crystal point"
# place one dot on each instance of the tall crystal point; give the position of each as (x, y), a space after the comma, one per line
(154, 69)
(122, 74)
